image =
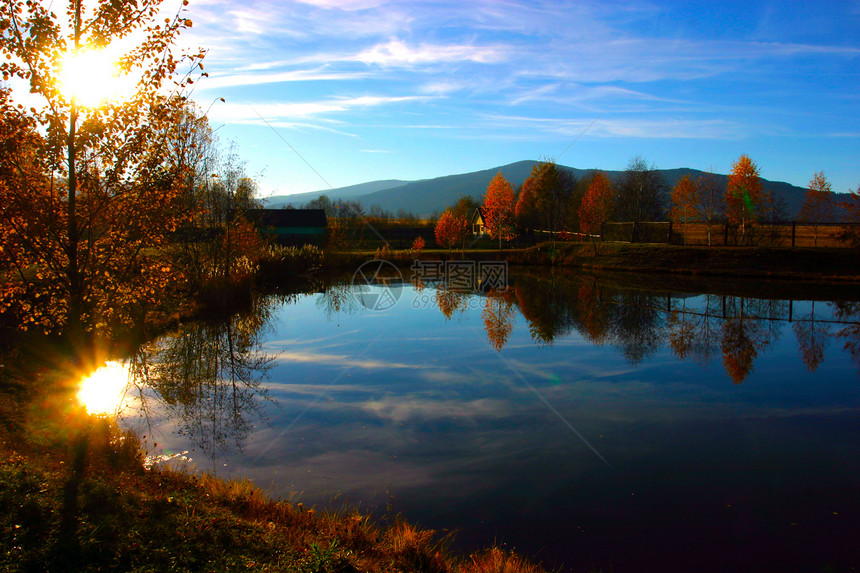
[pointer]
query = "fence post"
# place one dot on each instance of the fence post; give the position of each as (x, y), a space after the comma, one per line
(670, 232)
(603, 231)
(726, 235)
(793, 232)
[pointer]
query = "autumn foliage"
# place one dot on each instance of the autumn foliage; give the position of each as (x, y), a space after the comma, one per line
(450, 229)
(89, 195)
(744, 195)
(685, 201)
(596, 204)
(498, 315)
(119, 224)
(498, 209)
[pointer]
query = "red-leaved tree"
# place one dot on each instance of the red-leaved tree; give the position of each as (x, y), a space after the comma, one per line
(596, 205)
(685, 202)
(499, 216)
(450, 229)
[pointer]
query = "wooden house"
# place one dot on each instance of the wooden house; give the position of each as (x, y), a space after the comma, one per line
(290, 226)
(478, 222)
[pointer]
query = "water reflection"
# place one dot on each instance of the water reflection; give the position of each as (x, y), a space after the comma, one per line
(848, 315)
(484, 412)
(498, 315)
(639, 323)
(206, 379)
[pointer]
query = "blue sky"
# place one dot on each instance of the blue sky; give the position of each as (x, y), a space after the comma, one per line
(338, 92)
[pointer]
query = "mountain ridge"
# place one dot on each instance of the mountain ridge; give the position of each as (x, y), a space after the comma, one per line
(429, 196)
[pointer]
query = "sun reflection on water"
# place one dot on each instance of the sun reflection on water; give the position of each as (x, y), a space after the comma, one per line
(104, 390)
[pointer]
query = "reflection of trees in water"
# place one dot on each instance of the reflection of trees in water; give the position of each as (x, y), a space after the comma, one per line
(208, 376)
(450, 301)
(695, 327)
(336, 298)
(812, 339)
(637, 326)
(849, 334)
(594, 311)
(548, 304)
(558, 305)
(498, 315)
(694, 334)
(750, 327)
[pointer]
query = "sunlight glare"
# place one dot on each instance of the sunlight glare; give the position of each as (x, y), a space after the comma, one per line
(92, 77)
(103, 391)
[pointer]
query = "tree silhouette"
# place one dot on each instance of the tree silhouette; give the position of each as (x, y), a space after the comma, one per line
(819, 205)
(641, 195)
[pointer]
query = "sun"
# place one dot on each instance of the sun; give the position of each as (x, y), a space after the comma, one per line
(92, 78)
(103, 391)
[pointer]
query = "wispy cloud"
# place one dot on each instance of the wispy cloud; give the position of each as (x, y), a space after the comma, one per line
(217, 81)
(397, 53)
(250, 113)
(348, 5)
(403, 408)
(338, 360)
(668, 128)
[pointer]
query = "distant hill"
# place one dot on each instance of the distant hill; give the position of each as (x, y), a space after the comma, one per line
(433, 195)
(350, 192)
(429, 196)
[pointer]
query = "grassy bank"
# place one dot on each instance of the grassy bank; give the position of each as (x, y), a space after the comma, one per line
(804, 264)
(775, 263)
(76, 495)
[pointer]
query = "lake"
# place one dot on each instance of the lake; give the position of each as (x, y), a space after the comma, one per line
(588, 421)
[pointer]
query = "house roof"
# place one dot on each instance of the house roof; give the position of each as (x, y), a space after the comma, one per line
(285, 218)
(479, 212)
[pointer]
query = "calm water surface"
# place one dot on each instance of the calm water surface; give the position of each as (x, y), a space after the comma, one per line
(583, 423)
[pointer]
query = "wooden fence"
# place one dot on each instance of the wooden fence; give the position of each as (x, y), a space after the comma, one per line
(790, 234)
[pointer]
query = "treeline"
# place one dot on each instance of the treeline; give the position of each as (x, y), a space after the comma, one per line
(553, 201)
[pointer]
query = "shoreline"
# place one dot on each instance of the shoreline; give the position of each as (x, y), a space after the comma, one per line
(833, 265)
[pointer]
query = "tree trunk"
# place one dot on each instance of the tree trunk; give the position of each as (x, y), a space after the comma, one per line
(74, 275)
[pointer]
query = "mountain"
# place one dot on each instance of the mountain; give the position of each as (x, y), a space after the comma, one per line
(433, 195)
(350, 192)
(429, 196)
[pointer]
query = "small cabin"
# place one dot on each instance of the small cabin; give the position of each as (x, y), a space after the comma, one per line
(290, 226)
(478, 222)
